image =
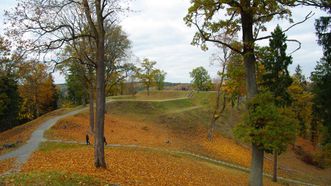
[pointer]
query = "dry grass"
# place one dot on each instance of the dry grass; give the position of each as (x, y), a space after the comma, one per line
(137, 167)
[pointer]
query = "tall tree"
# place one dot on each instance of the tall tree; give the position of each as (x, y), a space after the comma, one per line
(200, 79)
(55, 24)
(248, 16)
(321, 76)
(277, 78)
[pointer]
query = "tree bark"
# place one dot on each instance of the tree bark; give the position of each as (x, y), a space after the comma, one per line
(97, 28)
(91, 105)
(256, 174)
(274, 176)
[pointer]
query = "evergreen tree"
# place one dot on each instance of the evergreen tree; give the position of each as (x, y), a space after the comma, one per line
(321, 77)
(9, 102)
(300, 77)
(9, 97)
(276, 78)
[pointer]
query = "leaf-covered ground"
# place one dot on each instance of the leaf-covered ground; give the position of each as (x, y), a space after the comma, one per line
(6, 165)
(135, 167)
(49, 178)
(121, 130)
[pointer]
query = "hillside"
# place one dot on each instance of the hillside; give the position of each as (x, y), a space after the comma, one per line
(157, 139)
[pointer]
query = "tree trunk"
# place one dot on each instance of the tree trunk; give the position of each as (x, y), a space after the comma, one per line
(147, 90)
(256, 174)
(91, 105)
(274, 176)
(217, 113)
(212, 128)
(99, 159)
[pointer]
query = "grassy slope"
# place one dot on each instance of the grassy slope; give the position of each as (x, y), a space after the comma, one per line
(154, 123)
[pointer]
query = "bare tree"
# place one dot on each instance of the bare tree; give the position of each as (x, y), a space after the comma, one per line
(222, 59)
(51, 25)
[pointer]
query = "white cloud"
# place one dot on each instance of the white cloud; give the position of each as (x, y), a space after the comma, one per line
(157, 31)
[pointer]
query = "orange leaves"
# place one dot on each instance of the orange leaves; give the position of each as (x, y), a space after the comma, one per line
(136, 167)
(6, 165)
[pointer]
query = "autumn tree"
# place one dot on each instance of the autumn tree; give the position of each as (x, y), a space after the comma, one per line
(37, 90)
(301, 102)
(146, 74)
(249, 17)
(79, 66)
(54, 24)
(301, 105)
(200, 79)
(235, 84)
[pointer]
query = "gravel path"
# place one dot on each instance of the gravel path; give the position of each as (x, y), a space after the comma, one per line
(23, 153)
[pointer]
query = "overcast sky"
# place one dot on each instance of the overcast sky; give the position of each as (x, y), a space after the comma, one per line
(157, 31)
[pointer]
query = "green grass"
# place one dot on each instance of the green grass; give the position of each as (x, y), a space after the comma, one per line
(49, 146)
(164, 112)
(49, 179)
(147, 107)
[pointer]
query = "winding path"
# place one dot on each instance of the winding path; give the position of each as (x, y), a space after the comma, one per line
(23, 153)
